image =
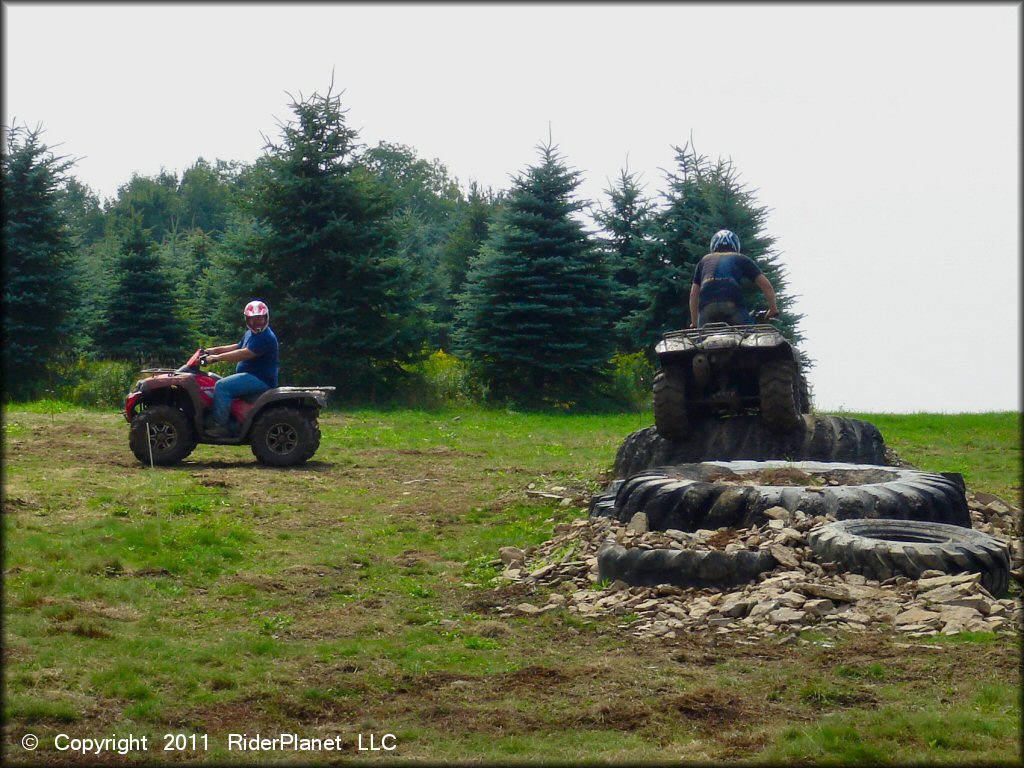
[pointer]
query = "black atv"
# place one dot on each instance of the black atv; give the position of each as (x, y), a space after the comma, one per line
(722, 369)
(168, 413)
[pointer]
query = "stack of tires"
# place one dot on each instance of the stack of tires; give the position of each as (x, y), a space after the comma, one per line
(889, 521)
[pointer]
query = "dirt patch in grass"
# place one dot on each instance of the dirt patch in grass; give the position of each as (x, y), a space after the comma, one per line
(709, 707)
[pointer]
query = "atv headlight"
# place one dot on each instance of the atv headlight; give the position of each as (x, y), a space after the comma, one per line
(762, 340)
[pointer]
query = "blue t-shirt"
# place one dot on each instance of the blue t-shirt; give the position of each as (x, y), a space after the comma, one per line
(264, 365)
(724, 284)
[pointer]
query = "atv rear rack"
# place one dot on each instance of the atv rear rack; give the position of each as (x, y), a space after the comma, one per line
(713, 329)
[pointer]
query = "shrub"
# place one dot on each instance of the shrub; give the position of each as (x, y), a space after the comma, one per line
(443, 379)
(629, 385)
(98, 383)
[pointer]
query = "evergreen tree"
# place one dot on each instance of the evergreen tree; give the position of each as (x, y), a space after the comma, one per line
(141, 320)
(627, 222)
(535, 314)
(467, 236)
(321, 252)
(702, 198)
(37, 287)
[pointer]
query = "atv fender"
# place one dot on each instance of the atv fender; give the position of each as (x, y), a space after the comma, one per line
(301, 397)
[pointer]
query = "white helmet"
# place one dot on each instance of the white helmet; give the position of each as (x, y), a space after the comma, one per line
(257, 316)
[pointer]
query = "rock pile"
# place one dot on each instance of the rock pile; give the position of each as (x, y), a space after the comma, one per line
(799, 593)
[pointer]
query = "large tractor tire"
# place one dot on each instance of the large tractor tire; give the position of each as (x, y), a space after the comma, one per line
(781, 399)
(670, 413)
(166, 430)
(823, 438)
(682, 567)
(805, 394)
(881, 549)
(284, 437)
(719, 494)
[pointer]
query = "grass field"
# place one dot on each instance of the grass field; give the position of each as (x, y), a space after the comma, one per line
(354, 597)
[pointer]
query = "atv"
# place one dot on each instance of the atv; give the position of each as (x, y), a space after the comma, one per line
(169, 415)
(721, 369)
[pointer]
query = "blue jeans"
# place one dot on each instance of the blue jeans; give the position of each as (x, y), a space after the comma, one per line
(724, 312)
(230, 387)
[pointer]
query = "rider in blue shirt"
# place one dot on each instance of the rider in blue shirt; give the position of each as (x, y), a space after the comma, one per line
(256, 371)
(715, 295)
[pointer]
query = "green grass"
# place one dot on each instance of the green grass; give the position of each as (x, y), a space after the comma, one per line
(358, 592)
(983, 447)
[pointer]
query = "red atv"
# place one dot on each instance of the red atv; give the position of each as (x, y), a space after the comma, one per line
(170, 408)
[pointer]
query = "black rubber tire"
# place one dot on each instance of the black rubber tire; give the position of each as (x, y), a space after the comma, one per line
(881, 549)
(805, 394)
(284, 437)
(167, 428)
(823, 438)
(603, 504)
(670, 413)
(689, 496)
(779, 389)
(681, 567)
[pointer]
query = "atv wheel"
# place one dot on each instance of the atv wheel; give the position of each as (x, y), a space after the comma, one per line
(284, 437)
(167, 430)
(779, 386)
(881, 549)
(670, 416)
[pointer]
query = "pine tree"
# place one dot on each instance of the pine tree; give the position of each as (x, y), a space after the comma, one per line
(702, 198)
(467, 236)
(37, 287)
(141, 319)
(627, 222)
(535, 314)
(320, 250)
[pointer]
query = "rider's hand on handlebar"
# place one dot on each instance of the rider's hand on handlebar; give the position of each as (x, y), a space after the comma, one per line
(770, 313)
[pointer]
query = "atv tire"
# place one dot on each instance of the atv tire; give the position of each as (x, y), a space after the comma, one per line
(682, 567)
(284, 437)
(781, 396)
(670, 415)
(167, 430)
(691, 496)
(823, 438)
(881, 549)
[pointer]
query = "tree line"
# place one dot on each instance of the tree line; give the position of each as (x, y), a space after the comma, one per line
(370, 258)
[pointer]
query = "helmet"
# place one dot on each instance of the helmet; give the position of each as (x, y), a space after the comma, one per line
(725, 240)
(257, 316)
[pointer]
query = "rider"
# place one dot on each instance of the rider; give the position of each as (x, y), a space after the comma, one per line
(715, 295)
(256, 372)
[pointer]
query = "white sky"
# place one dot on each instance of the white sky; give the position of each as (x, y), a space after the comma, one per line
(884, 138)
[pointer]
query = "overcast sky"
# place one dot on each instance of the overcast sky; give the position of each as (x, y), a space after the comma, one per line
(884, 139)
